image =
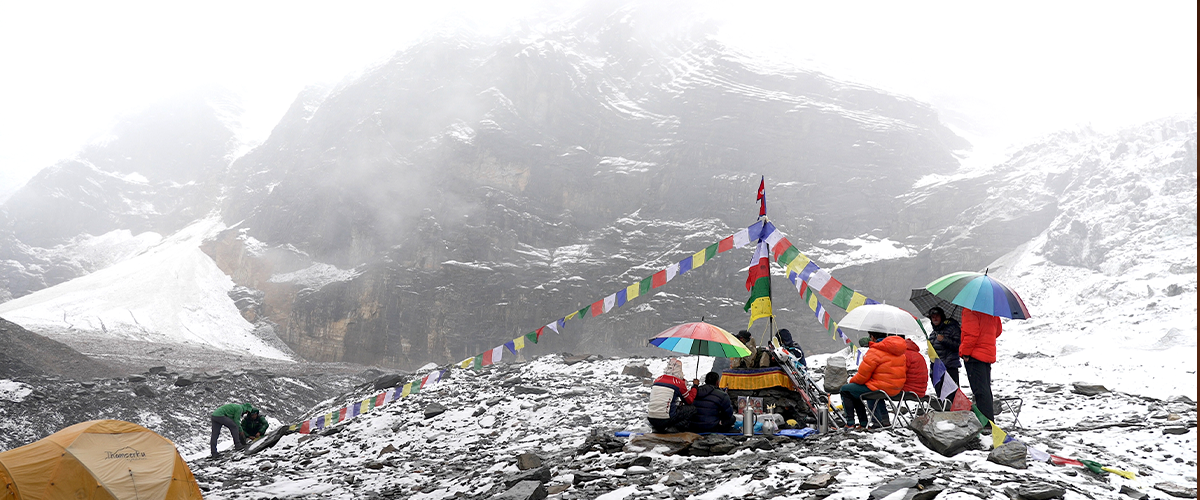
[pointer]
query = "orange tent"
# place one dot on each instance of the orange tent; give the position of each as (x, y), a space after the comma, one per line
(97, 460)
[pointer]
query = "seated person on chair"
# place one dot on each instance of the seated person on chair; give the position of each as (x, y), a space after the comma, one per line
(714, 410)
(664, 410)
(882, 369)
(756, 359)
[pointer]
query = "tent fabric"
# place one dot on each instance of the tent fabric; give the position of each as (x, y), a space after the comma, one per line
(99, 459)
(755, 378)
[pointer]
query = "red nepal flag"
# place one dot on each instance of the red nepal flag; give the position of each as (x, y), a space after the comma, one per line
(762, 196)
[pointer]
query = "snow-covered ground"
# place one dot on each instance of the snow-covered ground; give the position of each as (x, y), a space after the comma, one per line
(469, 450)
(170, 293)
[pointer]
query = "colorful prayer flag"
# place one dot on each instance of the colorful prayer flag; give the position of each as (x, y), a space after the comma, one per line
(531, 337)
(759, 303)
(961, 402)
(998, 436)
(762, 196)
(519, 342)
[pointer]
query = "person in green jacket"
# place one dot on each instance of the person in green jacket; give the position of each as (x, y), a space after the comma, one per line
(227, 416)
(254, 426)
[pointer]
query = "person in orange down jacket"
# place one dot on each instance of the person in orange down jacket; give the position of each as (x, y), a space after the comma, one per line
(978, 352)
(916, 379)
(882, 369)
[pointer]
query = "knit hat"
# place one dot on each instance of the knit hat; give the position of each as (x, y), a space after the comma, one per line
(674, 368)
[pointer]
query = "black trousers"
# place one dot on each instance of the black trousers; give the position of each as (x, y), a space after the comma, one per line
(228, 423)
(979, 374)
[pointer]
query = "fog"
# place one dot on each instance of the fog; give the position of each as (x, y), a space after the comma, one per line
(997, 73)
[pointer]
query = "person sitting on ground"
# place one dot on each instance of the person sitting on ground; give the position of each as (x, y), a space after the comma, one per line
(227, 416)
(663, 410)
(882, 369)
(756, 359)
(714, 410)
(785, 338)
(254, 426)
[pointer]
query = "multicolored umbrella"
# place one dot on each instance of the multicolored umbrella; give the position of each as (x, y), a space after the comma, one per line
(701, 338)
(979, 292)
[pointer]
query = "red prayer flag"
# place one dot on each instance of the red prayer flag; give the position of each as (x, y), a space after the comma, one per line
(597, 308)
(961, 403)
(304, 428)
(762, 196)
(725, 244)
(830, 290)
(342, 414)
(487, 357)
(379, 399)
(780, 247)
(658, 279)
(1057, 460)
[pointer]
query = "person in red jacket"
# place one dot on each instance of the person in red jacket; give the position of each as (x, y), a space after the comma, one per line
(882, 369)
(916, 378)
(664, 410)
(978, 352)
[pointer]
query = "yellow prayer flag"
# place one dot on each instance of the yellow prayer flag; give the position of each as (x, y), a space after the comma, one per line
(812, 302)
(998, 436)
(328, 419)
(1123, 473)
(698, 259)
(571, 316)
(632, 291)
(932, 353)
(519, 343)
(797, 264)
(760, 308)
(466, 363)
(856, 300)
(365, 406)
(407, 390)
(293, 427)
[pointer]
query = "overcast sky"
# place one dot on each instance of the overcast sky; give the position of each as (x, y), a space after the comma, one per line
(1004, 71)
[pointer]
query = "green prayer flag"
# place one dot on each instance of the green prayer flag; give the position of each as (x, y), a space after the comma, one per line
(842, 299)
(710, 252)
(788, 256)
(645, 285)
(531, 337)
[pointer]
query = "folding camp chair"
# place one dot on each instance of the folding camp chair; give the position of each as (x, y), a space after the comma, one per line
(883, 399)
(1011, 405)
(906, 405)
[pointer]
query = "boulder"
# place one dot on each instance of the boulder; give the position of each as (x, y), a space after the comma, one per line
(1010, 454)
(1088, 389)
(601, 440)
(924, 493)
(892, 486)
(144, 391)
(1133, 493)
(527, 460)
(1175, 430)
(636, 462)
(817, 481)
(665, 444)
(522, 389)
(947, 432)
(570, 360)
(388, 381)
(1176, 490)
(637, 369)
(539, 475)
(155, 370)
(712, 445)
(135, 378)
(524, 490)
(433, 410)
(1040, 491)
(184, 381)
(835, 374)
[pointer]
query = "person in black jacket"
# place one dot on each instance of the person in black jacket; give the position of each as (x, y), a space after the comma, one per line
(714, 411)
(946, 337)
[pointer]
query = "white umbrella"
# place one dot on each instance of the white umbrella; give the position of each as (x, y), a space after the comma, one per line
(882, 318)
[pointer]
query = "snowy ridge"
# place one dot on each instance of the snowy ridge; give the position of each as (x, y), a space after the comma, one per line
(171, 293)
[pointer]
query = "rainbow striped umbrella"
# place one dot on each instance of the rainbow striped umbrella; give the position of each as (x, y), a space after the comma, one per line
(981, 293)
(701, 338)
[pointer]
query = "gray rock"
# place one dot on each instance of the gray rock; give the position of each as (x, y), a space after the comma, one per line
(1010, 454)
(1052, 388)
(570, 360)
(712, 445)
(1040, 491)
(522, 389)
(510, 381)
(184, 381)
(636, 369)
(923, 493)
(892, 486)
(1088, 389)
(433, 410)
(666, 444)
(143, 391)
(524, 490)
(636, 462)
(1181, 399)
(1175, 430)
(822, 493)
(948, 433)
(636, 471)
(155, 370)
(673, 478)
(1176, 490)
(540, 475)
(817, 481)
(135, 378)
(835, 375)
(526, 461)
(388, 381)
(1133, 493)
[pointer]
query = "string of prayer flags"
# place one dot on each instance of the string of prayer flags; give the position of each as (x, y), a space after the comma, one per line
(369, 404)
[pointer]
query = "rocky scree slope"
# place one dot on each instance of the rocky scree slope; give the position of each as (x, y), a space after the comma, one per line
(462, 439)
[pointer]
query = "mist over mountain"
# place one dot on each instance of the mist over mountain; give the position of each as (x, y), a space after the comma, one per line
(474, 188)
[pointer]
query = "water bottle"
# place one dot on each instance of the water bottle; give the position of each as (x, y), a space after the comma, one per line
(748, 420)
